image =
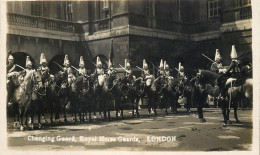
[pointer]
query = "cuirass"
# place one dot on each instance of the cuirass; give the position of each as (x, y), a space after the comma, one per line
(100, 71)
(82, 71)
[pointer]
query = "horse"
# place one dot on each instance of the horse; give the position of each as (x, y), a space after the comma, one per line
(179, 89)
(99, 94)
(84, 93)
(110, 93)
(23, 95)
(239, 91)
(150, 92)
(237, 94)
(39, 101)
(61, 80)
(132, 90)
(162, 89)
(53, 99)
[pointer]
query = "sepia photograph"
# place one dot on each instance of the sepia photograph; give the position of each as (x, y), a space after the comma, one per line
(129, 75)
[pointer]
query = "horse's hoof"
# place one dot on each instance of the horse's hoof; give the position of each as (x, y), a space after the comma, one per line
(202, 120)
(31, 126)
(16, 124)
(237, 121)
(40, 125)
(224, 124)
(21, 128)
(229, 122)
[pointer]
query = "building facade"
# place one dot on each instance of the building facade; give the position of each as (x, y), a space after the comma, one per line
(174, 30)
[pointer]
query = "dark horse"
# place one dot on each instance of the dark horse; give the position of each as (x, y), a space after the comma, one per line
(202, 86)
(132, 90)
(61, 81)
(84, 97)
(163, 90)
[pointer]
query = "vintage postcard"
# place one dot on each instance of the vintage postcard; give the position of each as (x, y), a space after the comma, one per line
(130, 76)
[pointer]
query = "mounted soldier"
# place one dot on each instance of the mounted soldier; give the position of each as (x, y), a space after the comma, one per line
(28, 69)
(12, 72)
(82, 71)
(161, 71)
(217, 66)
(148, 79)
(232, 73)
(111, 71)
(68, 70)
(44, 70)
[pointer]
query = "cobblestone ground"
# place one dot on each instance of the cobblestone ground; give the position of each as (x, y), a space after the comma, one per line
(174, 132)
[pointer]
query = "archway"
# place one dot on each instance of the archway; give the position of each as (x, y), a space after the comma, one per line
(20, 59)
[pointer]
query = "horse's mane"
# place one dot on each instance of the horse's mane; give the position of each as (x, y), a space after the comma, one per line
(246, 58)
(28, 75)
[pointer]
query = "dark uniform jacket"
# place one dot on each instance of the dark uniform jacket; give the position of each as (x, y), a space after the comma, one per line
(215, 67)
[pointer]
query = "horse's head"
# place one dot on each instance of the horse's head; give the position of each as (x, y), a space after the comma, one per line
(37, 78)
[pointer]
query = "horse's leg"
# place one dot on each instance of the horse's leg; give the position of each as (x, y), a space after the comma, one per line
(64, 111)
(21, 111)
(224, 112)
(51, 110)
(136, 100)
(235, 112)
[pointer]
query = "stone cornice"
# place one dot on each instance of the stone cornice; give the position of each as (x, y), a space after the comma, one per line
(148, 32)
(236, 26)
(42, 33)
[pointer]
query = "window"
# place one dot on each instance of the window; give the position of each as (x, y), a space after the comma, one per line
(213, 9)
(246, 2)
(69, 11)
(245, 10)
(150, 12)
(104, 9)
(36, 8)
(150, 8)
(104, 4)
(177, 10)
(245, 13)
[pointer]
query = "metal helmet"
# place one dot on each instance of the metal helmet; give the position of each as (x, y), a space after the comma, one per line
(98, 61)
(43, 59)
(66, 60)
(10, 57)
(28, 62)
(81, 62)
(161, 64)
(233, 52)
(110, 65)
(217, 55)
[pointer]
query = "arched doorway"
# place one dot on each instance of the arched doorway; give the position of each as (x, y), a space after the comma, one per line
(20, 59)
(103, 59)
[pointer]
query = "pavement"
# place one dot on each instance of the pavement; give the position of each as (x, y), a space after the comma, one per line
(173, 132)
